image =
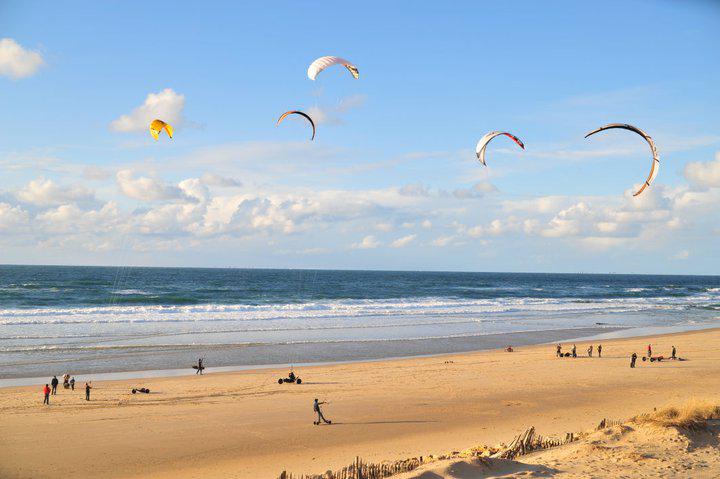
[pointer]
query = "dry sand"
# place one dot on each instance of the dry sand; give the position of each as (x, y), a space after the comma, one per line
(246, 425)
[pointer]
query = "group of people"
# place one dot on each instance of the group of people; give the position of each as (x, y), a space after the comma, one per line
(68, 383)
(573, 352)
(633, 358)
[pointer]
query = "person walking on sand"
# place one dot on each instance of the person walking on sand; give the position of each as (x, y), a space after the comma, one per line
(673, 355)
(649, 351)
(558, 350)
(590, 349)
(46, 392)
(88, 387)
(54, 384)
(200, 367)
(320, 417)
(72, 383)
(574, 351)
(633, 358)
(599, 350)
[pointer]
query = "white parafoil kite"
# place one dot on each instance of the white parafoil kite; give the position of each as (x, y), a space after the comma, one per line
(323, 62)
(482, 144)
(656, 158)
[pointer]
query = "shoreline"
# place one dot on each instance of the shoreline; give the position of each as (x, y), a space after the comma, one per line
(606, 334)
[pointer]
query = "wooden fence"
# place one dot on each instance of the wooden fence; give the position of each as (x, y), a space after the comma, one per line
(524, 443)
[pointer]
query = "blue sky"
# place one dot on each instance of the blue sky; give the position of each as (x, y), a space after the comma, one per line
(391, 181)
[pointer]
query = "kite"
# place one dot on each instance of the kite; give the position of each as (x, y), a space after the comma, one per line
(323, 62)
(482, 144)
(297, 112)
(157, 126)
(656, 158)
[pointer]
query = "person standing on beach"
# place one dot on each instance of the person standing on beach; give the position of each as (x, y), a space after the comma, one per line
(674, 352)
(46, 392)
(54, 383)
(200, 367)
(574, 351)
(558, 351)
(649, 351)
(599, 350)
(633, 358)
(590, 349)
(316, 409)
(72, 383)
(88, 387)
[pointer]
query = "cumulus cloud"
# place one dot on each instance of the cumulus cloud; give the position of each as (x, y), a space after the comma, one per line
(478, 190)
(414, 189)
(144, 188)
(45, 192)
(166, 105)
(368, 242)
(12, 217)
(402, 242)
(704, 174)
(212, 179)
(17, 62)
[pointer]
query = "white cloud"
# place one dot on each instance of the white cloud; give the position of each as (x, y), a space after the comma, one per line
(478, 190)
(368, 242)
(333, 115)
(404, 241)
(443, 241)
(17, 62)
(166, 105)
(45, 192)
(704, 174)
(11, 217)
(681, 255)
(414, 189)
(144, 188)
(212, 179)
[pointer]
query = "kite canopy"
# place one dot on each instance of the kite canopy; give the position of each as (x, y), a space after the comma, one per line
(297, 112)
(323, 62)
(157, 126)
(482, 144)
(656, 158)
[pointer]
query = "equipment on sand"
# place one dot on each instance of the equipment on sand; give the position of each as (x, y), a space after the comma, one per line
(290, 380)
(141, 390)
(195, 366)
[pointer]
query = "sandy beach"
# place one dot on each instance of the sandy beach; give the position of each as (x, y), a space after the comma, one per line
(244, 424)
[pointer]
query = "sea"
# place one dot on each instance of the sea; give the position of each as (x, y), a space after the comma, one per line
(89, 321)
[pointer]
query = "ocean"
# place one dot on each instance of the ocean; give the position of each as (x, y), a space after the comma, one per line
(89, 320)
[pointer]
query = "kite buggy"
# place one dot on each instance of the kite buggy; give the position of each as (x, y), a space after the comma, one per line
(290, 379)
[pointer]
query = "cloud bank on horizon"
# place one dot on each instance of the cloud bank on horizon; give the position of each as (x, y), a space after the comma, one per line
(391, 181)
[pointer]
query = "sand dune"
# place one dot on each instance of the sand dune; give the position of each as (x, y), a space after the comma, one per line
(246, 425)
(635, 449)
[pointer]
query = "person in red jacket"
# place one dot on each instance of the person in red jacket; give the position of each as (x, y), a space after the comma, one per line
(46, 392)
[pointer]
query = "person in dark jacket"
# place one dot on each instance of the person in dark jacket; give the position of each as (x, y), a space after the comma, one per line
(673, 355)
(599, 350)
(633, 358)
(54, 384)
(88, 387)
(316, 409)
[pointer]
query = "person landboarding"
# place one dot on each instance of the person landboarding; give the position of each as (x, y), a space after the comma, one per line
(54, 384)
(46, 392)
(320, 417)
(633, 358)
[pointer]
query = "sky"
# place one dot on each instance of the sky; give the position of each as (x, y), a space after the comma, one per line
(391, 181)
